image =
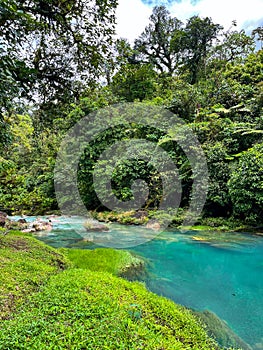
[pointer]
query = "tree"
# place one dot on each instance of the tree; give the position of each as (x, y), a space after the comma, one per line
(198, 39)
(235, 46)
(258, 32)
(121, 54)
(185, 100)
(247, 72)
(26, 170)
(218, 202)
(50, 49)
(135, 82)
(245, 185)
(157, 44)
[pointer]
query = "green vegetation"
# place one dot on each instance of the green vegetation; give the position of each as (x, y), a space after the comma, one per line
(50, 301)
(245, 184)
(116, 262)
(99, 311)
(214, 85)
(220, 224)
(26, 264)
(209, 77)
(127, 217)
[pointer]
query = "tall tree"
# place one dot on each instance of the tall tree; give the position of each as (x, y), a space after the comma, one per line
(157, 43)
(198, 39)
(234, 46)
(52, 48)
(121, 54)
(258, 32)
(134, 81)
(245, 185)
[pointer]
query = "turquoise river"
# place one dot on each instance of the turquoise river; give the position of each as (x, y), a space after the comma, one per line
(220, 272)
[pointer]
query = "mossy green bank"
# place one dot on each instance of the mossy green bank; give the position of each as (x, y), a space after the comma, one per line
(58, 300)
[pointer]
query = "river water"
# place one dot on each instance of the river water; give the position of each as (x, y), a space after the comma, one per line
(220, 272)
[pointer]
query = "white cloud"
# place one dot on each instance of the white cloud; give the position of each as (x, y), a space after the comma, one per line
(133, 15)
(132, 18)
(222, 12)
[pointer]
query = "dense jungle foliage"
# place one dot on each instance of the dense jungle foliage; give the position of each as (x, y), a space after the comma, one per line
(59, 62)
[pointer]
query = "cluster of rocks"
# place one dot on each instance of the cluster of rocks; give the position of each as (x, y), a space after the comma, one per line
(23, 225)
(152, 224)
(38, 225)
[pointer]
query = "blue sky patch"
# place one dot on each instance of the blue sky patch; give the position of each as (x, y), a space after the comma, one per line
(160, 2)
(165, 2)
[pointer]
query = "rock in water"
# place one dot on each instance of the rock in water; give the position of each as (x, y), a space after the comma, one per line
(153, 225)
(40, 225)
(93, 225)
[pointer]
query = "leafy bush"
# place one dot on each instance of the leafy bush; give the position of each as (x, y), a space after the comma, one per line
(246, 185)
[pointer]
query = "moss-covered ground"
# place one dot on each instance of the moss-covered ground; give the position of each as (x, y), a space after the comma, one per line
(74, 299)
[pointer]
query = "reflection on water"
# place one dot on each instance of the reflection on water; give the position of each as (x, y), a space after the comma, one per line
(220, 272)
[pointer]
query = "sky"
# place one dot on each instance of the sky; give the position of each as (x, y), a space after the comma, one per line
(133, 15)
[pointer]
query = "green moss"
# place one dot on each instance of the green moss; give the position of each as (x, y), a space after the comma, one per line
(198, 228)
(85, 306)
(175, 221)
(25, 265)
(109, 260)
(124, 218)
(80, 309)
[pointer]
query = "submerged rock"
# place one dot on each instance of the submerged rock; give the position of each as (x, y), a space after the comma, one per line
(93, 225)
(220, 331)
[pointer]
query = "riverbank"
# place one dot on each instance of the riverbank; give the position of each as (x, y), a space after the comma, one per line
(149, 218)
(68, 298)
(143, 217)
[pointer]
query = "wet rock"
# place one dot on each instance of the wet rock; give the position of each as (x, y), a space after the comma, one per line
(22, 221)
(96, 226)
(153, 225)
(16, 225)
(3, 218)
(140, 214)
(40, 225)
(29, 230)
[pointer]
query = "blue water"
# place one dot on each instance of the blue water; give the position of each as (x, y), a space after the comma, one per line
(227, 280)
(223, 274)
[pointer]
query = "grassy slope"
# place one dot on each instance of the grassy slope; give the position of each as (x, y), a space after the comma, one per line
(76, 308)
(25, 264)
